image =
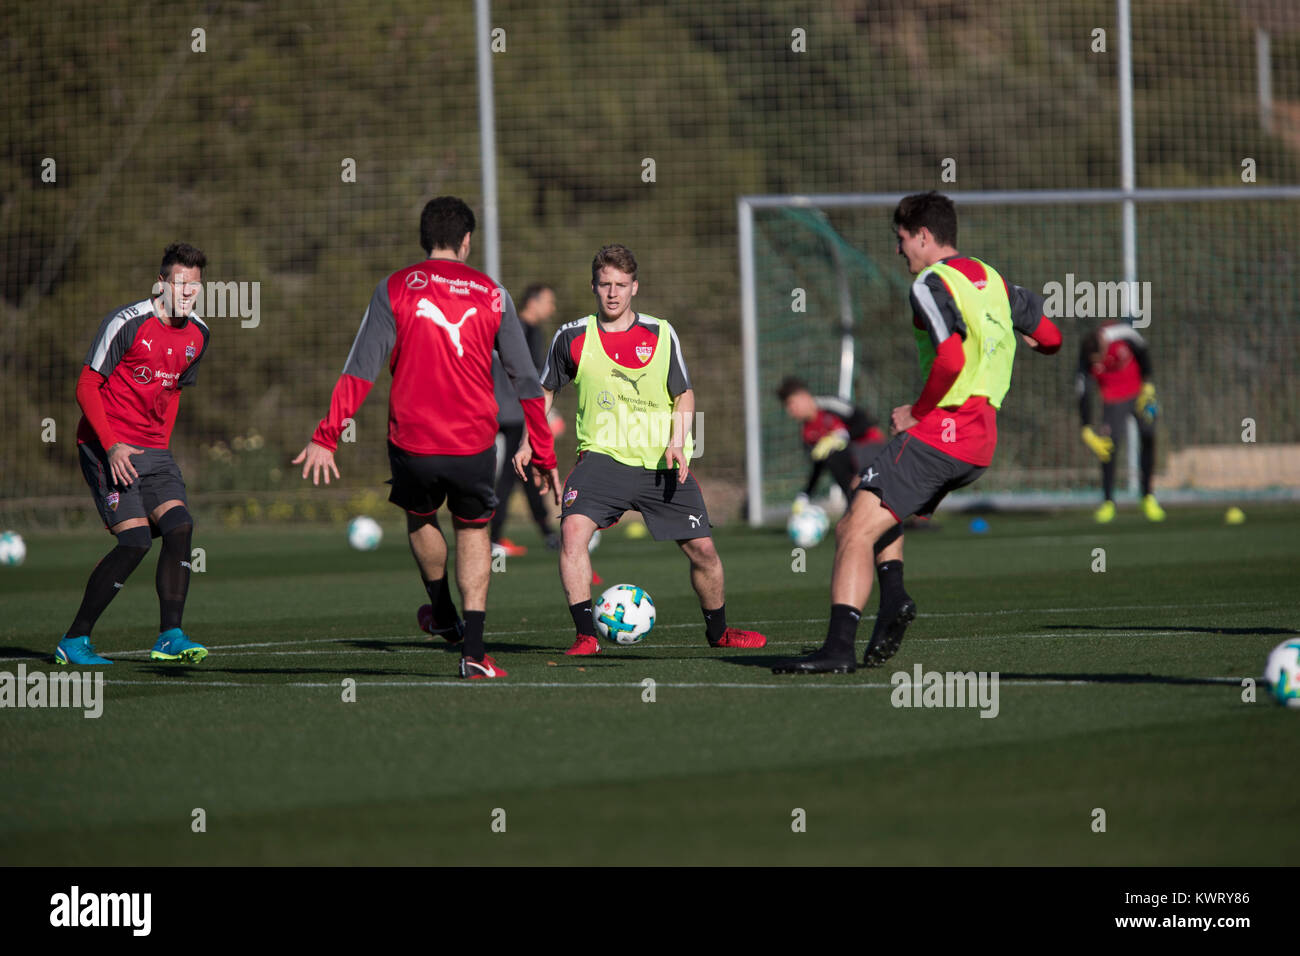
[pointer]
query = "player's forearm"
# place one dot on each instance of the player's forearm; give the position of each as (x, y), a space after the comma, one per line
(1047, 335)
(949, 359)
(92, 406)
(346, 400)
(683, 412)
(540, 439)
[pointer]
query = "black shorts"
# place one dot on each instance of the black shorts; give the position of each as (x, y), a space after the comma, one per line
(421, 483)
(911, 477)
(159, 480)
(604, 489)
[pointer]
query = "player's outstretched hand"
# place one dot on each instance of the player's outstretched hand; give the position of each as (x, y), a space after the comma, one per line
(549, 481)
(318, 460)
(521, 459)
(900, 420)
(119, 463)
(828, 445)
(676, 454)
(1103, 446)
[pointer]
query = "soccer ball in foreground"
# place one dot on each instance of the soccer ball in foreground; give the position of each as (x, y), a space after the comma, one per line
(364, 533)
(1283, 673)
(808, 526)
(13, 550)
(625, 614)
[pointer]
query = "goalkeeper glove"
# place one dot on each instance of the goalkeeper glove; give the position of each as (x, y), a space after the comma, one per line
(829, 445)
(1102, 446)
(800, 502)
(1147, 406)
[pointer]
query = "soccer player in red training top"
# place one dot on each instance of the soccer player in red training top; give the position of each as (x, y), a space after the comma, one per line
(837, 434)
(129, 392)
(441, 320)
(1116, 357)
(635, 405)
(966, 317)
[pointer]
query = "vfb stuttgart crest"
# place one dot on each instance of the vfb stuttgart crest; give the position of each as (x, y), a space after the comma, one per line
(112, 500)
(190, 352)
(643, 352)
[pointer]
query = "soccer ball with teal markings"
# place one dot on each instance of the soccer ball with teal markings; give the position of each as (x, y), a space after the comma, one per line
(364, 533)
(625, 614)
(13, 550)
(1283, 673)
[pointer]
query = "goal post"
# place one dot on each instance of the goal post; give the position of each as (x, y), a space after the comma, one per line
(1216, 296)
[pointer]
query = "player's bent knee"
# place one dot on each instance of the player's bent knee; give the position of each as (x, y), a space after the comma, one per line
(137, 537)
(175, 519)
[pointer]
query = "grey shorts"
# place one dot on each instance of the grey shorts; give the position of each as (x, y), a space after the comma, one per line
(466, 483)
(159, 480)
(911, 477)
(604, 489)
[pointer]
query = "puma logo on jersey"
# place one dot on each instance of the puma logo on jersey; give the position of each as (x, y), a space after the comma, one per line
(428, 310)
(695, 520)
(147, 344)
(871, 474)
(634, 382)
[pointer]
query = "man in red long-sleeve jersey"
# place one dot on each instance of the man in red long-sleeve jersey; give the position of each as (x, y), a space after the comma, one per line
(966, 318)
(440, 320)
(129, 392)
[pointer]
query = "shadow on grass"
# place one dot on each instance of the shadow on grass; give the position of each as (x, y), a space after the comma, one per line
(1188, 629)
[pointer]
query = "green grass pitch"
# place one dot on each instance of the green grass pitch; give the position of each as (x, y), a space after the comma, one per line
(1118, 690)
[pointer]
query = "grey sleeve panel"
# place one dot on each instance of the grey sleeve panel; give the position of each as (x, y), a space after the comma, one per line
(934, 305)
(191, 374)
(679, 380)
(115, 334)
(375, 338)
(1026, 309)
(516, 359)
(559, 368)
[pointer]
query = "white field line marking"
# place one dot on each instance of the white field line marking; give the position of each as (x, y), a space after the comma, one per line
(804, 620)
(796, 684)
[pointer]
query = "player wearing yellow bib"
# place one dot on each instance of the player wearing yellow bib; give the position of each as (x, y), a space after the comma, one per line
(635, 405)
(966, 319)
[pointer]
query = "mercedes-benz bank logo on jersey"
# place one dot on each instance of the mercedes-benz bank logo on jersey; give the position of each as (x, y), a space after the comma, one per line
(430, 311)
(416, 280)
(143, 374)
(605, 400)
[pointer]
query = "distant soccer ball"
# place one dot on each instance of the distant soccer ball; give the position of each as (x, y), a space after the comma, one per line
(808, 526)
(13, 550)
(1283, 673)
(364, 533)
(594, 543)
(625, 614)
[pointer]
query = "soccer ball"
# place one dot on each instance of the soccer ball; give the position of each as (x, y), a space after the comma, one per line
(13, 550)
(594, 543)
(625, 614)
(364, 533)
(1283, 673)
(808, 526)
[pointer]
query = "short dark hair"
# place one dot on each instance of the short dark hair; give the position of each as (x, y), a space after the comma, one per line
(930, 210)
(444, 223)
(618, 256)
(182, 253)
(532, 292)
(791, 385)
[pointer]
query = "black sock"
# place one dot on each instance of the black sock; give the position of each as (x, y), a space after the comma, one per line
(584, 618)
(890, 575)
(715, 622)
(842, 632)
(173, 577)
(444, 608)
(473, 646)
(108, 577)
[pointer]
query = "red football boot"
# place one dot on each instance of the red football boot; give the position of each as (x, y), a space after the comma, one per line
(734, 637)
(584, 645)
(452, 633)
(485, 669)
